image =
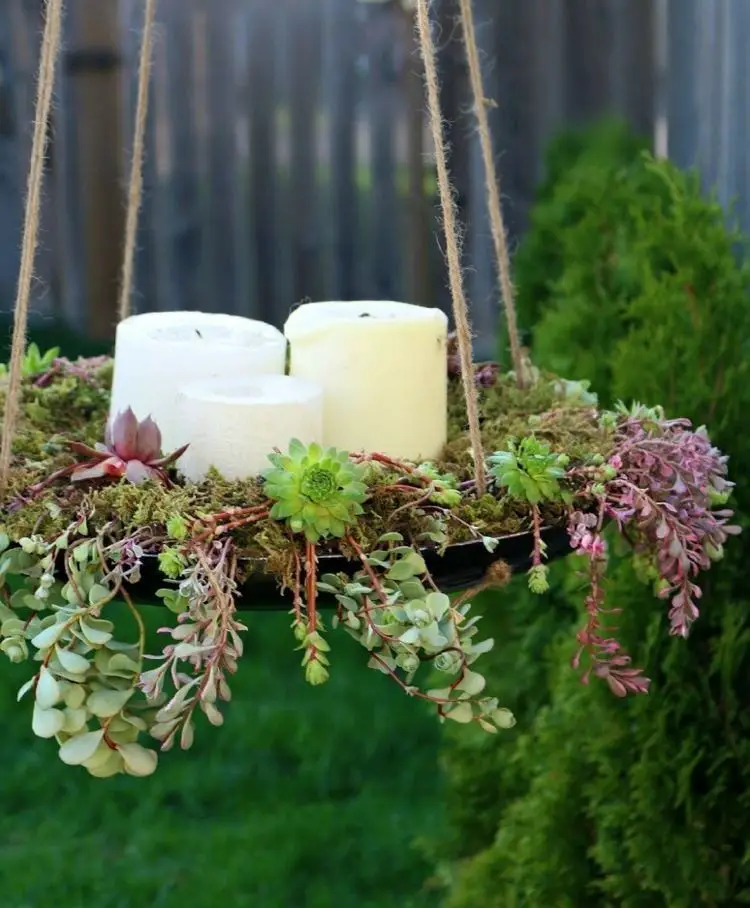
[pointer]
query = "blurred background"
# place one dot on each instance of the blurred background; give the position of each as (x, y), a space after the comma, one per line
(287, 150)
(288, 158)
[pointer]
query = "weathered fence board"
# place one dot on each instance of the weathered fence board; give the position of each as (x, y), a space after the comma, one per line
(287, 150)
(708, 96)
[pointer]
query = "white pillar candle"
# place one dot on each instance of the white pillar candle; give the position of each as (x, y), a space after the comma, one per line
(235, 425)
(157, 352)
(383, 370)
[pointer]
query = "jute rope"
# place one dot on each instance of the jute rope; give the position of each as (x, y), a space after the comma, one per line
(499, 235)
(45, 88)
(135, 188)
(452, 240)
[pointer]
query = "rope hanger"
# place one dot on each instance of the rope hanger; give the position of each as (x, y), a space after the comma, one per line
(47, 69)
(43, 105)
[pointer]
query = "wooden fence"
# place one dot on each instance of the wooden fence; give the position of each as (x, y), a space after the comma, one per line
(287, 150)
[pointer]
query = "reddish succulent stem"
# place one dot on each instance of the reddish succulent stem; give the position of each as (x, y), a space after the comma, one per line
(537, 555)
(297, 588)
(311, 590)
(374, 579)
(234, 517)
(386, 461)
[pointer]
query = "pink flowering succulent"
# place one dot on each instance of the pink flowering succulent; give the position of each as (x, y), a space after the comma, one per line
(131, 450)
(661, 488)
(669, 479)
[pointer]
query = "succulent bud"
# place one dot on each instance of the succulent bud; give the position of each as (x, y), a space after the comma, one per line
(408, 662)
(315, 673)
(447, 662)
(538, 582)
(15, 649)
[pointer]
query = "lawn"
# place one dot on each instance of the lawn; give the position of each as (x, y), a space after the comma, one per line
(308, 797)
(305, 798)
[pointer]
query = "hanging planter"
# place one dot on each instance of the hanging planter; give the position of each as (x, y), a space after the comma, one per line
(379, 540)
(375, 472)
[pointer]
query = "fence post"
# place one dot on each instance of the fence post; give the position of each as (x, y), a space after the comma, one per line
(10, 174)
(94, 64)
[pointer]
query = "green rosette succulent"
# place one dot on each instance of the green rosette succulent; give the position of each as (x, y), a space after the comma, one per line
(317, 491)
(529, 470)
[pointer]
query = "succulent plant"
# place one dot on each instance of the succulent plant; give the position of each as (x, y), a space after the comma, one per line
(443, 484)
(391, 610)
(131, 450)
(529, 470)
(319, 492)
(34, 361)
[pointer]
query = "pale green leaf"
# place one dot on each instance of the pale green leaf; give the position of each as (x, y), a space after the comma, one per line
(72, 662)
(75, 720)
(100, 756)
(187, 650)
(187, 735)
(472, 683)
(483, 647)
(12, 627)
(46, 723)
(488, 726)
(74, 695)
(80, 748)
(440, 693)
(98, 594)
(438, 604)
(163, 730)
(402, 570)
(24, 689)
(107, 703)
(137, 760)
(213, 714)
(122, 666)
(503, 718)
(96, 631)
(48, 637)
(110, 764)
(462, 713)
(412, 589)
(410, 636)
(48, 692)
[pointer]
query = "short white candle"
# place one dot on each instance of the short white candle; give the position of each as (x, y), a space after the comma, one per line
(158, 352)
(234, 425)
(382, 367)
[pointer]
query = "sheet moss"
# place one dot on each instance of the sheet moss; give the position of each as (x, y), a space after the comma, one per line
(72, 405)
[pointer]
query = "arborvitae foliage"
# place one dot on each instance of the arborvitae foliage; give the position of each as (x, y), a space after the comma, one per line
(592, 802)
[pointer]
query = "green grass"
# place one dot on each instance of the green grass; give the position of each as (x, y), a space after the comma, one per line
(305, 798)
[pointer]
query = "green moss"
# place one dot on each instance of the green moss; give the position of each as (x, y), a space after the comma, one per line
(74, 408)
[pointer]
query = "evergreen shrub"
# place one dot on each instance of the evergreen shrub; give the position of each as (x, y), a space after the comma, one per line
(630, 277)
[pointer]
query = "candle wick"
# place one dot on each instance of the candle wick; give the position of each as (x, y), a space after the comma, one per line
(199, 334)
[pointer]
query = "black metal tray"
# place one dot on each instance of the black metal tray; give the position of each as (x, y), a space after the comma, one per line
(461, 566)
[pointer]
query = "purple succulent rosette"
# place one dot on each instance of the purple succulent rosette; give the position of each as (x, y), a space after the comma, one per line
(131, 450)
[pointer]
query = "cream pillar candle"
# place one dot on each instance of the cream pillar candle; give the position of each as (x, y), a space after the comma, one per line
(235, 425)
(157, 352)
(383, 370)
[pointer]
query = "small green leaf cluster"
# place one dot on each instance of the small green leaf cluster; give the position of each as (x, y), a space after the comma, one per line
(84, 689)
(530, 471)
(204, 648)
(34, 362)
(392, 610)
(315, 661)
(91, 693)
(576, 391)
(317, 491)
(443, 486)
